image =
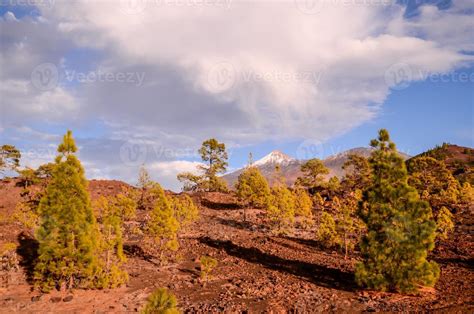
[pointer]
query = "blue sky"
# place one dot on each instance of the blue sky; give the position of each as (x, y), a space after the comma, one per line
(139, 80)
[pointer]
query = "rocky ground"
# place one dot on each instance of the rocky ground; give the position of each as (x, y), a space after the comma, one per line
(257, 271)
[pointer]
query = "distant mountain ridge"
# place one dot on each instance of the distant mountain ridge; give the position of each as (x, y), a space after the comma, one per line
(290, 167)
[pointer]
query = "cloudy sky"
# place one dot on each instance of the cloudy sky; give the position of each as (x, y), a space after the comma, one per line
(146, 81)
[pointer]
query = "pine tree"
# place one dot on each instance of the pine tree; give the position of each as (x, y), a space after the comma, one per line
(252, 189)
(434, 181)
(144, 185)
(68, 231)
(185, 210)
(9, 158)
(111, 243)
(215, 155)
(313, 174)
(161, 301)
(400, 226)
(348, 227)
(444, 223)
(303, 207)
(358, 173)
(281, 206)
(162, 225)
(326, 232)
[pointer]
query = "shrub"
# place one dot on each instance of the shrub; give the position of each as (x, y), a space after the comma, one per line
(207, 266)
(281, 209)
(444, 223)
(161, 301)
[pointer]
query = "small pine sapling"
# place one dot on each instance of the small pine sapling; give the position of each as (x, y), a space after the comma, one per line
(207, 264)
(326, 232)
(161, 301)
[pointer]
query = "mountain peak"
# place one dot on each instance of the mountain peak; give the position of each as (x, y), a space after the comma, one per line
(275, 157)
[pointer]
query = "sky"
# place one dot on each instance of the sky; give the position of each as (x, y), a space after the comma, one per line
(147, 81)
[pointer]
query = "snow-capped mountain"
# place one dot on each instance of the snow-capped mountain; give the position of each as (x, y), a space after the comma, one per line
(275, 158)
(290, 167)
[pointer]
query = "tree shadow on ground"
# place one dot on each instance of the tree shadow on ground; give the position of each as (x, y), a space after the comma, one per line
(242, 225)
(28, 250)
(220, 206)
(317, 274)
(134, 250)
(465, 263)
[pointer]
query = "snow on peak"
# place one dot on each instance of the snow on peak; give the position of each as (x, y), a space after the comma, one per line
(275, 157)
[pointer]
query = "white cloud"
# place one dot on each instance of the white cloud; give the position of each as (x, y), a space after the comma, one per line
(247, 73)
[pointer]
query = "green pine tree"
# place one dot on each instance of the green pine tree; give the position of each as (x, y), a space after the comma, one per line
(185, 210)
(281, 207)
(252, 189)
(400, 226)
(111, 243)
(303, 207)
(326, 233)
(313, 174)
(68, 249)
(161, 301)
(162, 226)
(434, 182)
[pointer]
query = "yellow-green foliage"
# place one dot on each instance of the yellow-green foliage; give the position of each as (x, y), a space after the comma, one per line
(161, 301)
(313, 173)
(111, 244)
(8, 261)
(281, 209)
(207, 266)
(127, 204)
(162, 226)
(184, 209)
(252, 187)
(444, 223)
(68, 233)
(400, 227)
(467, 193)
(26, 215)
(318, 201)
(326, 232)
(434, 181)
(347, 225)
(333, 184)
(303, 206)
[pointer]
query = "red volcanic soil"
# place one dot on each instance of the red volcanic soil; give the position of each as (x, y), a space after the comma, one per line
(257, 271)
